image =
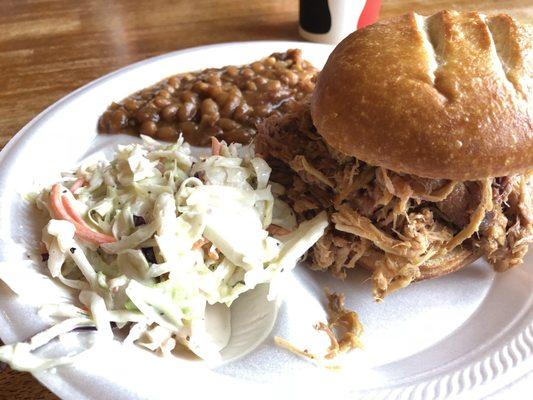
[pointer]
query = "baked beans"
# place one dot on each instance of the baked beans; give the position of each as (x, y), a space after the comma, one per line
(223, 102)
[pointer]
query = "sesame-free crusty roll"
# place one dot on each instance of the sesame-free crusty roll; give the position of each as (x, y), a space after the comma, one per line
(445, 96)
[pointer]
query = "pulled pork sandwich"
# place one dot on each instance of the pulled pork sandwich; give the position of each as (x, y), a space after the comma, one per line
(418, 142)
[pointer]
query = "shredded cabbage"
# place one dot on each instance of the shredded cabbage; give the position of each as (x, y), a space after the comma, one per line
(188, 236)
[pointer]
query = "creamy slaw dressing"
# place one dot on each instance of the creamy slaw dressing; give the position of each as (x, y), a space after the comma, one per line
(189, 236)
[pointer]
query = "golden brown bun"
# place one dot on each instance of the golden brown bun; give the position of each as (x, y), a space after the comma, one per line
(448, 96)
(453, 261)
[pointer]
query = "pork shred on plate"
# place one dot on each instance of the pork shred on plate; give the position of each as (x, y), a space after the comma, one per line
(404, 227)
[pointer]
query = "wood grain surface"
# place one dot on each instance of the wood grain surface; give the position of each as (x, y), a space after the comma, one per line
(49, 48)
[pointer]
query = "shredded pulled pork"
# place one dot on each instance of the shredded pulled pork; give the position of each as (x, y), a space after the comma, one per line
(507, 237)
(402, 227)
(343, 329)
(343, 321)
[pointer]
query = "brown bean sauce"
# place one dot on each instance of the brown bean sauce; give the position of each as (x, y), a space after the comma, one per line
(225, 102)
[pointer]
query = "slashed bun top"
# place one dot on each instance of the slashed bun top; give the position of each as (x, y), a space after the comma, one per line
(446, 96)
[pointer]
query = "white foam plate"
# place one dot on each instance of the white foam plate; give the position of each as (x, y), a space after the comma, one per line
(467, 334)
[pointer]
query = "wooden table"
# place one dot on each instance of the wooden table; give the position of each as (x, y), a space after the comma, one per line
(49, 48)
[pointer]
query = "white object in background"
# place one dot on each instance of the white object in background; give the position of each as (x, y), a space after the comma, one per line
(342, 17)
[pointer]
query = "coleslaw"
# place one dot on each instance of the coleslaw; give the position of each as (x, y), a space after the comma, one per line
(154, 239)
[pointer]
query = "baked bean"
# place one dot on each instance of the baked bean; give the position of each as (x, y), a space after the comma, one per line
(119, 119)
(188, 128)
(146, 93)
(148, 113)
(232, 71)
(200, 87)
(273, 85)
(104, 120)
(174, 81)
(188, 96)
(164, 93)
(234, 91)
(186, 111)
(280, 65)
(169, 112)
(251, 86)
(214, 80)
(213, 91)
(161, 102)
(247, 73)
(230, 105)
(228, 124)
(241, 112)
(107, 122)
(260, 81)
(131, 104)
(237, 135)
(292, 78)
(170, 89)
(258, 67)
(221, 98)
(270, 61)
(208, 120)
(209, 107)
(167, 133)
(211, 130)
(148, 128)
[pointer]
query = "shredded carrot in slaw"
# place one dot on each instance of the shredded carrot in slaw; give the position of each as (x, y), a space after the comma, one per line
(277, 230)
(63, 209)
(215, 146)
(80, 182)
(71, 211)
(199, 243)
(213, 253)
